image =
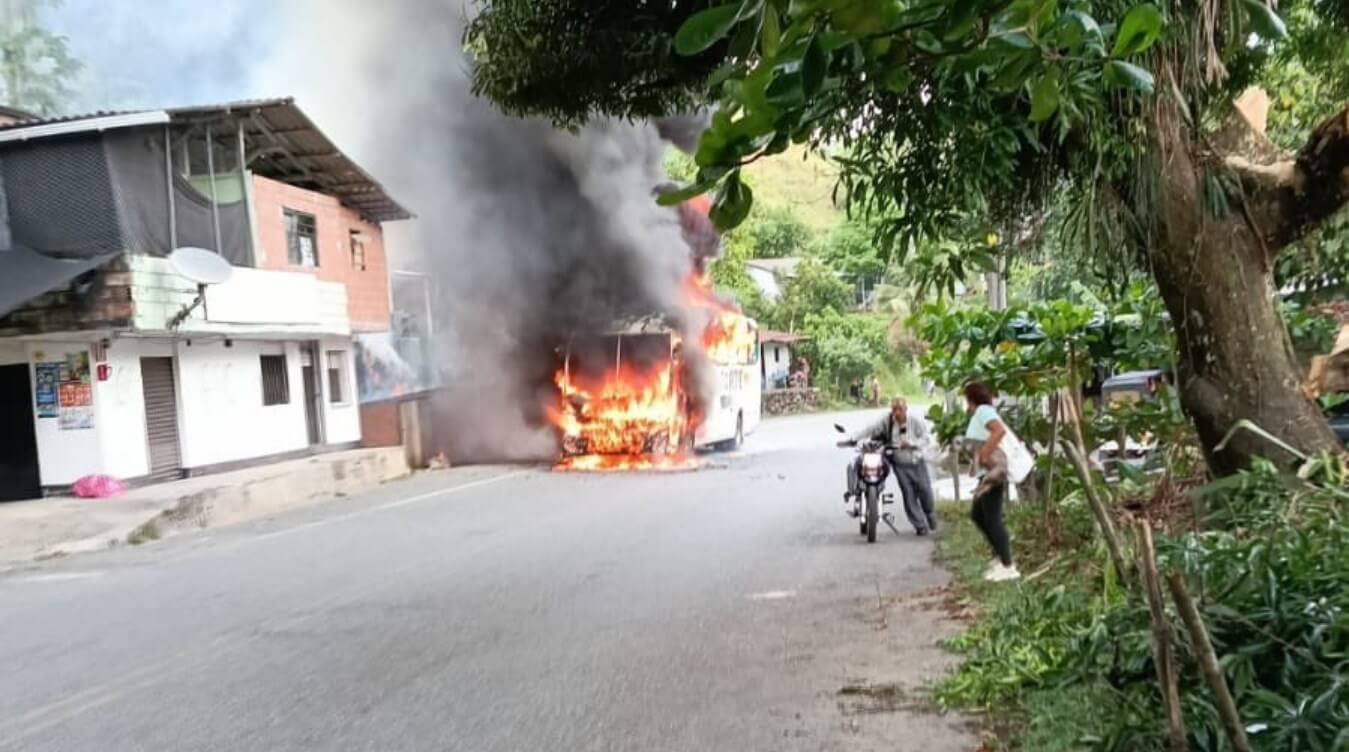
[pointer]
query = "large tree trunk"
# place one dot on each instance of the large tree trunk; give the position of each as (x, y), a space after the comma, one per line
(1234, 360)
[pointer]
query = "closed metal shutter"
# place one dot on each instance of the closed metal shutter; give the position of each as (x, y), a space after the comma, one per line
(161, 417)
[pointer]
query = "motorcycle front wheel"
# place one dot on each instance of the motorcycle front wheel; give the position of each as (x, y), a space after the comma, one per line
(873, 512)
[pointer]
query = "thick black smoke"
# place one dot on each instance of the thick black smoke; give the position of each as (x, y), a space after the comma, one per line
(530, 233)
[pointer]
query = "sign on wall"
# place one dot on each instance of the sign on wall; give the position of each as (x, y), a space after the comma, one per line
(48, 380)
(75, 393)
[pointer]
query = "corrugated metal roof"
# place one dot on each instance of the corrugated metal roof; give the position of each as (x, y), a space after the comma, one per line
(301, 154)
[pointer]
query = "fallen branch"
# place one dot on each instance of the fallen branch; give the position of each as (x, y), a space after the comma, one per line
(1208, 663)
(1162, 653)
(1099, 511)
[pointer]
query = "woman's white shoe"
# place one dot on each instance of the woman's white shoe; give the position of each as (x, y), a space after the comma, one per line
(1001, 573)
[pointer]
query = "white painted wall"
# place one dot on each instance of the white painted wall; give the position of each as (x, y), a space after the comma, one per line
(220, 412)
(64, 456)
(254, 302)
(777, 359)
(13, 353)
(121, 408)
(341, 421)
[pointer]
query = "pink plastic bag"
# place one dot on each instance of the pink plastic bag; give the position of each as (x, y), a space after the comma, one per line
(98, 487)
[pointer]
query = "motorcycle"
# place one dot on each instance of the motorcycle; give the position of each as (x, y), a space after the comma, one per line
(866, 492)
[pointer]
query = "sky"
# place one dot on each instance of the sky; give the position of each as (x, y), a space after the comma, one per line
(145, 53)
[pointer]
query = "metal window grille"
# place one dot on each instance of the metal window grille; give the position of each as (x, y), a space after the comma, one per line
(301, 238)
(275, 382)
(357, 251)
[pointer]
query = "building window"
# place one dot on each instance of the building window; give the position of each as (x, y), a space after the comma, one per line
(275, 382)
(337, 377)
(301, 238)
(777, 354)
(357, 250)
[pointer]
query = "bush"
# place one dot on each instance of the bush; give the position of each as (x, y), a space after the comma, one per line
(1269, 570)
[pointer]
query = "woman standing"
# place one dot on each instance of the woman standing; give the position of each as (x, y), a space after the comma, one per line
(984, 437)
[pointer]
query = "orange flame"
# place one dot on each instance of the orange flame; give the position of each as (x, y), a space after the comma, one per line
(631, 420)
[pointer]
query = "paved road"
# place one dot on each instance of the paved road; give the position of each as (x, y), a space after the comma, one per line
(497, 610)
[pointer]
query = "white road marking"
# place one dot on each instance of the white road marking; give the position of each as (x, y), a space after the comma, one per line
(56, 577)
(391, 505)
(773, 595)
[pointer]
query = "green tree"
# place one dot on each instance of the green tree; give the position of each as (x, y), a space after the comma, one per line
(946, 109)
(842, 347)
(813, 289)
(778, 233)
(730, 274)
(851, 249)
(35, 64)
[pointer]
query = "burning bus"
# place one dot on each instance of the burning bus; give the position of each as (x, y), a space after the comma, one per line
(627, 398)
(639, 396)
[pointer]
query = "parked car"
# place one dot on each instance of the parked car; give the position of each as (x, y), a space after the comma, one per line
(1130, 387)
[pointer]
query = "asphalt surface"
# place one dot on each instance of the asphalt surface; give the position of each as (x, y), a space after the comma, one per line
(500, 609)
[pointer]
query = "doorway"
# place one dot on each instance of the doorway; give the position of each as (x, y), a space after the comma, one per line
(160, 390)
(313, 393)
(19, 477)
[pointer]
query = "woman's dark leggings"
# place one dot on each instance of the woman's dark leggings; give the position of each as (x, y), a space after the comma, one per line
(987, 515)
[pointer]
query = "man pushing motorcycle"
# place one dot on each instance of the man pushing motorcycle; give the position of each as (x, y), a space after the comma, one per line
(909, 436)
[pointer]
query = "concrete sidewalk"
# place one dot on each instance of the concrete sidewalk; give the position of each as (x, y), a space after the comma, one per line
(57, 526)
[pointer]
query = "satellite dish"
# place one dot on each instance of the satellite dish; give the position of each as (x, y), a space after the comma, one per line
(201, 266)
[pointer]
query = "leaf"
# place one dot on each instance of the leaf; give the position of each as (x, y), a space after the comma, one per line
(705, 28)
(1044, 97)
(1018, 39)
(732, 204)
(813, 67)
(1079, 27)
(1139, 29)
(677, 197)
(1128, 76)
(772, 32)
(1264, 20)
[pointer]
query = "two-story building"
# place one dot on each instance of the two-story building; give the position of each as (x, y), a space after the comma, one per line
(112, 361)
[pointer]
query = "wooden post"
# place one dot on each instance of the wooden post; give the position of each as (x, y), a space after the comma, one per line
(1099, 511)
(1208, 663)
(1162, 653)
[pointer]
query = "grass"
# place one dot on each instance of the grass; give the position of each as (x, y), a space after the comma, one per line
(802, 182)
(1023, 615)
(144, 534)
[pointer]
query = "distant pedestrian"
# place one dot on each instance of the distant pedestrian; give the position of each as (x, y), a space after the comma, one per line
(855, 391)
(984, 436)
(875, 390)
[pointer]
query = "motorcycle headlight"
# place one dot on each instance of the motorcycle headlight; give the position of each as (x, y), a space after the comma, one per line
(871, 462)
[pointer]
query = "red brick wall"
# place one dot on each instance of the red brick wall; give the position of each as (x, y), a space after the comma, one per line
(381, 425)
(368, 289)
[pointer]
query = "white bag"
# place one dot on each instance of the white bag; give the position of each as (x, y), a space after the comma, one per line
(1019, 459)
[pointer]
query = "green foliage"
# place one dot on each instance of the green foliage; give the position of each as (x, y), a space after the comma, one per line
(1268, 570)
(814, 289)
(778, 233)
(1313, 333)
(557, 59)
(851, 249)
(1319, 265)
(730, 275)
(842, 347)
